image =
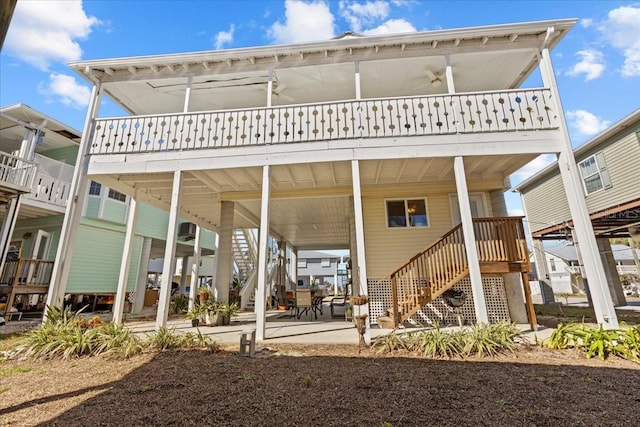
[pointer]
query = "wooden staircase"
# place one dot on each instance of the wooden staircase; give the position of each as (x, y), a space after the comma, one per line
(501, 247)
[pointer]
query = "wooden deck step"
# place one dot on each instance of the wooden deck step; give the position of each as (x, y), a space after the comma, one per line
(385, 322)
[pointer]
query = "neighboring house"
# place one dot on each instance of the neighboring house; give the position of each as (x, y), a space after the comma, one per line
(317, 269)
(608, 165)
(35, 189)
(395, 147)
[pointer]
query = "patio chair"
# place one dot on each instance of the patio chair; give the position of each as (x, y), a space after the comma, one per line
(304, 302)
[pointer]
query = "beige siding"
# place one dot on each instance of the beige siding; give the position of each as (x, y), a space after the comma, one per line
(546, 205)
(546, 202)
(623, 162)
(389, 248)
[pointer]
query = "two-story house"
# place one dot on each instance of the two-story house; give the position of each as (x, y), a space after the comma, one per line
(609, 184)
(398, 147)
(38, 158)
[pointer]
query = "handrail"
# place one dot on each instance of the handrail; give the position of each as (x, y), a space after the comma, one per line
(481, 112)
(17, 171)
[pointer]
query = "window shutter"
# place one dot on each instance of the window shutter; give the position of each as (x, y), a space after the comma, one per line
(604, 172)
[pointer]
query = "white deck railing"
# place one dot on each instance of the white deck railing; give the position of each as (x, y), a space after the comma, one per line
(52, 183)
(503, 111)
(16, 172)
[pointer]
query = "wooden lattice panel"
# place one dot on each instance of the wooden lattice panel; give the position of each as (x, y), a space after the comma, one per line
(437, 311)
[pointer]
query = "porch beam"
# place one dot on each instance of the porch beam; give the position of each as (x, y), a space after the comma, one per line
(169, 252)
(539, 142)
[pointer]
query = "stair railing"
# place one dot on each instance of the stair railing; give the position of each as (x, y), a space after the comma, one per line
(438, 267)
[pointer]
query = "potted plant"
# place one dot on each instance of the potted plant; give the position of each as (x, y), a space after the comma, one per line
(203, 293)
(194, 314)
(227, 311)
(211, 312)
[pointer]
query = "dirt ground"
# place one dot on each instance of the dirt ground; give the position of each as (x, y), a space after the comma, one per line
(321, 385)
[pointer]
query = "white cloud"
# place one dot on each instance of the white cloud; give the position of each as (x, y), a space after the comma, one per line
(70, 92)
(303, 22)
(534, 166)
(224, 37)
(586, 123)
(360, 15)
(591, 64)
(392, 26)
(622, 30)
(43, 32)
(586, 22)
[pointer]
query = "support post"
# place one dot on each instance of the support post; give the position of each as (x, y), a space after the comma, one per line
(77, 196)
(224, 253)
(479, 302)
(195, 268)
(544, 279)
(125, 263)
(169, 252)
(262, 253)
(572, 182)
(361, 265)
(143, 275)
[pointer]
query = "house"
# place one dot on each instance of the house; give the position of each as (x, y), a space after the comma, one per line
(608, 182)
(321, 269)
(395, 147)
(36, 185)
(565, 274)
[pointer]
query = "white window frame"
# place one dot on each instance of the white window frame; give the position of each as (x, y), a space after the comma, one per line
(601, 171)
(97, 184)
(407, 221)
(112, 194)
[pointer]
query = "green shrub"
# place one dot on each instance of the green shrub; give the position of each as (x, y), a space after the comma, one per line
(480, 340)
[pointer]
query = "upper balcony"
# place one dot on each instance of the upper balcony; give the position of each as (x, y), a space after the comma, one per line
(51, 185)
(16, 174)
(469, 113)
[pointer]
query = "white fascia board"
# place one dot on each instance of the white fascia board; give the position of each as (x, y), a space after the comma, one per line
(561, 26)
(512, 143)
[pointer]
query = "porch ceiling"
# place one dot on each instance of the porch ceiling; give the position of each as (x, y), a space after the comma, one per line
(310, 203)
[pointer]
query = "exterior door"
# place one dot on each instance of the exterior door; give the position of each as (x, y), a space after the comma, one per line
(477, 203)
(40, 251)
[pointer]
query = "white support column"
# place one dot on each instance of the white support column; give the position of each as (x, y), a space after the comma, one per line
(8, 225)
(360, 248)
(169, 252)
(224, 253)
(263, 253)
(293, 267)
(479, 303)
(143, 275)
(270, 88)
(195, 268)
(544, 279)
(125, 263)
(357, 80)
(572, 182)
(187, 95)
(77, 196)
(184, 273)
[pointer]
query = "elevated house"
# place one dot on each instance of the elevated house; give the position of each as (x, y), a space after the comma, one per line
(38, 158)
(397, 147)
(608, 181)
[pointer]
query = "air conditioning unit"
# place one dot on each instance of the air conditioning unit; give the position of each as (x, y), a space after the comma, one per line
(187, 231)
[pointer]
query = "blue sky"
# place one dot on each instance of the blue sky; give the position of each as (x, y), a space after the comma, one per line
(597, 64)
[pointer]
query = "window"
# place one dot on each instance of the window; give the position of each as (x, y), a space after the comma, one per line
(302, 263)
(115, 195)
(94, 188)
(552, 263)
(407, 213)
(326, 262)
(594, 173)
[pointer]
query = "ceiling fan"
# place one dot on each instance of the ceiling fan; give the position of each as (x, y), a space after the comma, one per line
(436, 79)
